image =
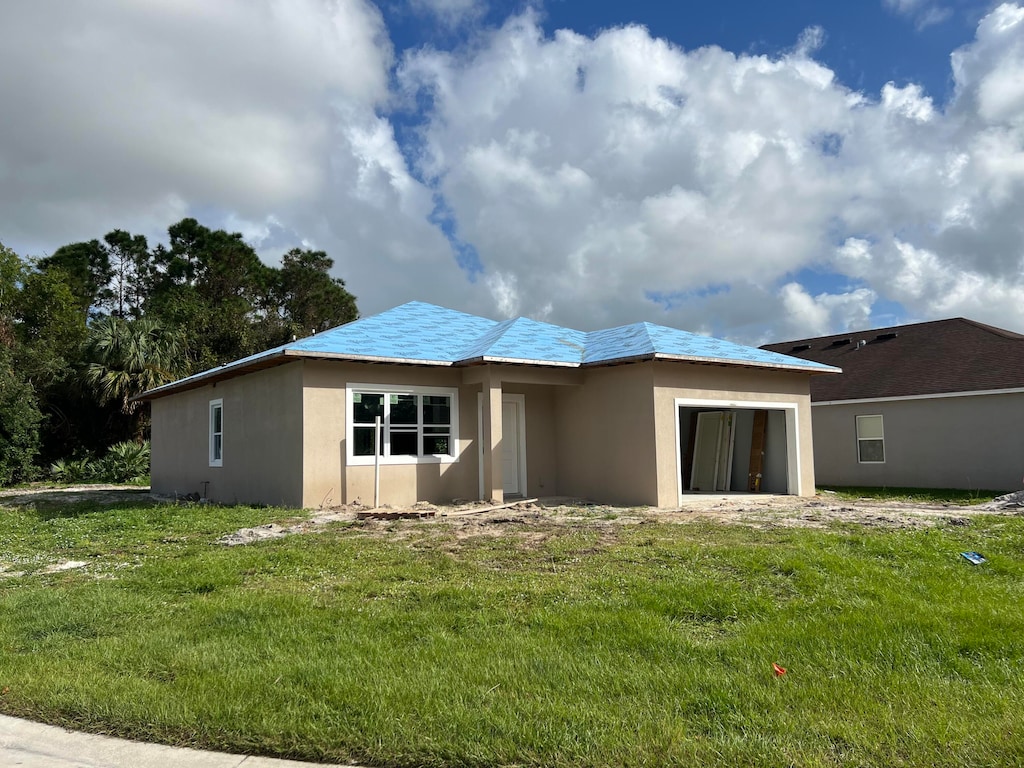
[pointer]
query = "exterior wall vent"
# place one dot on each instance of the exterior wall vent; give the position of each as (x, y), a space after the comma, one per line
(800, 347)
(886, 336)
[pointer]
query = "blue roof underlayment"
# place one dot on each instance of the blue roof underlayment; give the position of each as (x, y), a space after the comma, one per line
(646, 339)
(413, 331)
(529, 341)
(427, 334)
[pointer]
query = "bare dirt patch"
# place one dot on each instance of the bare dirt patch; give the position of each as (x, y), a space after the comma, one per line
(534, 521)
(822, 511)
(531, 523)
(316, 521)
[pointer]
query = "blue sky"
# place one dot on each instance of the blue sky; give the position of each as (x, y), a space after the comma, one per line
(758, 171)
(867, 44)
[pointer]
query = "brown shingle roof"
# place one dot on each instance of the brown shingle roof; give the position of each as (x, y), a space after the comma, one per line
(956, 355)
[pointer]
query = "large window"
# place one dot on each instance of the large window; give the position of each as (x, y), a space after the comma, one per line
(870, 440)
(216, 433)
(416, 423)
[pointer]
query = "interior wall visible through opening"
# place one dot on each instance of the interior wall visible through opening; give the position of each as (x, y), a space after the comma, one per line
(775, 456)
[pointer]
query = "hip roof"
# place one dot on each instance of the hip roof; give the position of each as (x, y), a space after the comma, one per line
(424, 334)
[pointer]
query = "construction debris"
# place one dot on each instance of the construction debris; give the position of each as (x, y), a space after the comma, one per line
(491, 508)
(249, 535)
(482, 518)
(1013, 500)
(384, 514)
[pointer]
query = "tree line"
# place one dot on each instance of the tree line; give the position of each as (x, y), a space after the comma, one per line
(85, 329)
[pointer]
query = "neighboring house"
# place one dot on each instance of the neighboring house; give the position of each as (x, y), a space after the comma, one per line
(472, 408)
(928, 405)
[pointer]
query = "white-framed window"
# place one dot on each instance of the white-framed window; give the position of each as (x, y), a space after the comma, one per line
(418, 424)
(870, 440)
(216, 433)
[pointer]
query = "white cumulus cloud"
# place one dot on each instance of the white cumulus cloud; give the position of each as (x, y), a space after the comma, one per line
(619, 177)
(599, 179)
(141, 109)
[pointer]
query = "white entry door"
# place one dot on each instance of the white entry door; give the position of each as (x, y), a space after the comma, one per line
(712, 452)
(513, 445)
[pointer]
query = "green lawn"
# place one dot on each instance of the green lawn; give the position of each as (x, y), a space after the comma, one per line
(598, 644)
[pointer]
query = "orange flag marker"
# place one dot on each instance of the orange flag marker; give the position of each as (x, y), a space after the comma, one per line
(779, 671)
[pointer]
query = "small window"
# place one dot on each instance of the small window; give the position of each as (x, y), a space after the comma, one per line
(416, 424)
(216, 433)
(870, 440)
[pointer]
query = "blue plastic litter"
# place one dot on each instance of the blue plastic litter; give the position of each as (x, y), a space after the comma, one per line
(973, 558)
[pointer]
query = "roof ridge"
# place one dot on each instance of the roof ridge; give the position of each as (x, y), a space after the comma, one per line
(525, 339)
(650, 325)
(898, 327)
(485, 340)
(1006, 334)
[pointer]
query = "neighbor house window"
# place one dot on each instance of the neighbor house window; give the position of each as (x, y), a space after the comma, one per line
(216, 433)
(870, 440)
(416, 423)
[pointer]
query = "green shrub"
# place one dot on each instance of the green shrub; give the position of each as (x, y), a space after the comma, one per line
(19, 427)
(73, 470)
(126, 462)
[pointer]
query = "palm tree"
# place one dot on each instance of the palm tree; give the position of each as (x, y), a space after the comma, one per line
(129, 357)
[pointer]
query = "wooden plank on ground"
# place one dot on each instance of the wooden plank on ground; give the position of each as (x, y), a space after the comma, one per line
(488, 509)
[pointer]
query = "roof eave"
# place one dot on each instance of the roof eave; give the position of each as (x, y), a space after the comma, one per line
(748, 363)
(279, 357)
(232, 370)
(620, 360)
(226, 371)
(711, 361)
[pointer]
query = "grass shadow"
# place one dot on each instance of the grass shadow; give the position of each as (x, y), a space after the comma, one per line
(52, 510)
(53, 503)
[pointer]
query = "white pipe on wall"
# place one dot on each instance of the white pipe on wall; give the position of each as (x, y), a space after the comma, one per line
(376, 462)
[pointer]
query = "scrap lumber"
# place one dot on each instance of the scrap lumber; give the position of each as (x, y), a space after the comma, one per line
(491, 508)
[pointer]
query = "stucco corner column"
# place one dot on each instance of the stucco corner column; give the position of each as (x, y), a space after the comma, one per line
(491, 422)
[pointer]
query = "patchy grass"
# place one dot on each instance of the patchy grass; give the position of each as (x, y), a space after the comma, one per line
(913, 495)
(401, 644)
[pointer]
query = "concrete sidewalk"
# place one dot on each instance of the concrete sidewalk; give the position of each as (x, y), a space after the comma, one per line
(31, 745)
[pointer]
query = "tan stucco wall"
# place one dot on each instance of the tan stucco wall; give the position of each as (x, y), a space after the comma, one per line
(957, 442)
(262, 439)
(673, 380)
(606, 450)
(607, 434)
(328, 480)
